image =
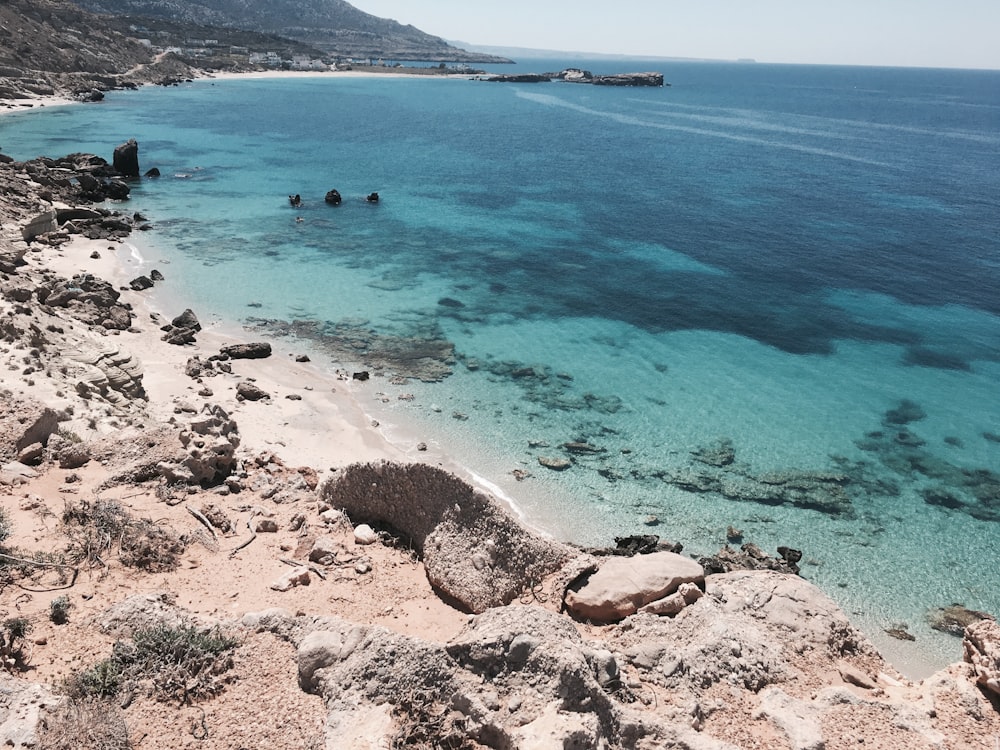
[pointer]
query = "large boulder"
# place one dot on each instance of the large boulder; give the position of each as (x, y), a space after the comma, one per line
(21, 708)
(624, 584)
(475, 553)
(126, 158)
(252, 350)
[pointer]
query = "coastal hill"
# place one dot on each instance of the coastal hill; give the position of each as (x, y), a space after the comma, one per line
(333, 26)
(48, 46)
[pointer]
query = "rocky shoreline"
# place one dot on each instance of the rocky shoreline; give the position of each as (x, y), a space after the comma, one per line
(354, 598)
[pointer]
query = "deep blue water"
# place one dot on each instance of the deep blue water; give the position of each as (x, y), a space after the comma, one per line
(802, 261)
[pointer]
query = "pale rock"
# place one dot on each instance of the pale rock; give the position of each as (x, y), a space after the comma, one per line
(365, 534)
(687, 593)
(325, 550)
(21, 704)
(318, 650)
(800, 721)
(981, 648)
(41, 224)
(331, 517)
(322, 649)
(854, 676)
(294, 577)
(556, 730)
(31, 454)
(16, 473)
(624, 584)
(365, 727)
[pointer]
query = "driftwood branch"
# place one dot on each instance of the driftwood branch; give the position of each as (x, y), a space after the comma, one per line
(37, 564)
(201, 517)
(297, 564)
(253, 535)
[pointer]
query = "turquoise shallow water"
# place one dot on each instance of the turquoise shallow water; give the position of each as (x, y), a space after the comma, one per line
(797, 264)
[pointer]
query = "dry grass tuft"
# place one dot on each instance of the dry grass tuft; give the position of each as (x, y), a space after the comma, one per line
(98, 528)
(89, 723)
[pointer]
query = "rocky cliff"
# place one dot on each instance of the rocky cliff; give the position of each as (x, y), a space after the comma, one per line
(53, 48)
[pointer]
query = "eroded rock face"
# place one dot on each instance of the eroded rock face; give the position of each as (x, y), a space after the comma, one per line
(624, 584)
(515, 677)
(474, 552)
(982, 651)
(23, 422)
(210, 442)
(748, 630)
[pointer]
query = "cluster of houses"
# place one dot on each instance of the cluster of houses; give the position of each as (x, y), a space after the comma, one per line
(207, 48)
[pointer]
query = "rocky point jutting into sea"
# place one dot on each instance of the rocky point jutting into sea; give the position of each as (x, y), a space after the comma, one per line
(177, 489)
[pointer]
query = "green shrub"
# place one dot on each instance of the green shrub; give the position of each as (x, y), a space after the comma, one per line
(181, 663)
(59, 610)
(5, 527)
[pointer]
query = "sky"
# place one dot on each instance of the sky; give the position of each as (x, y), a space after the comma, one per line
(922, 33)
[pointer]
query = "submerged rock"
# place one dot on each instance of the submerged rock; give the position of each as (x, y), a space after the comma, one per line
(955, 618)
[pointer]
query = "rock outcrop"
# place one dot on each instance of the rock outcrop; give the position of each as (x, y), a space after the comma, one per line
(23, 422)
(126, 159)
(982, 651)
(88, 299)
(209, 445)
(474, 552)
(629, 79)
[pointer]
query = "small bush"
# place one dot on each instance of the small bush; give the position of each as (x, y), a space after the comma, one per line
(180, 663)
(5, 526)
(59, 610)
(13, 642)
(99, 527)
(103, 680)
(88, 723)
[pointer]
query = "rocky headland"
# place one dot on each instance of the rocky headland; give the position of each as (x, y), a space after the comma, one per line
(576, 75)
(205, 543)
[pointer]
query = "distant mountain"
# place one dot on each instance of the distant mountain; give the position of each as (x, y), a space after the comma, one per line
(531, 53)
(333, 26)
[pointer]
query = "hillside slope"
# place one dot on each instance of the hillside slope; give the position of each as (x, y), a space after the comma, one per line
(54, 48)
(334, 26)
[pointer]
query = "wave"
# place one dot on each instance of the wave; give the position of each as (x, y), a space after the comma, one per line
(548, 99)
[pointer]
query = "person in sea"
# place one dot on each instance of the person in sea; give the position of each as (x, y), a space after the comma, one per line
(372, 198)
(295, 200)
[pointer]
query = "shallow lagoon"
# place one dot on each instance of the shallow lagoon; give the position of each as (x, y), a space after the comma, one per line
(796, 264)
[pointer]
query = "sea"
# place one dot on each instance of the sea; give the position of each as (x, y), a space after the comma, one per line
(760, 305)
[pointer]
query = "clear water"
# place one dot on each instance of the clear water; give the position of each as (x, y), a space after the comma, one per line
(777, 256)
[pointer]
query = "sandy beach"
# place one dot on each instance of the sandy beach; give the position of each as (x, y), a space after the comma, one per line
(374, 642)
